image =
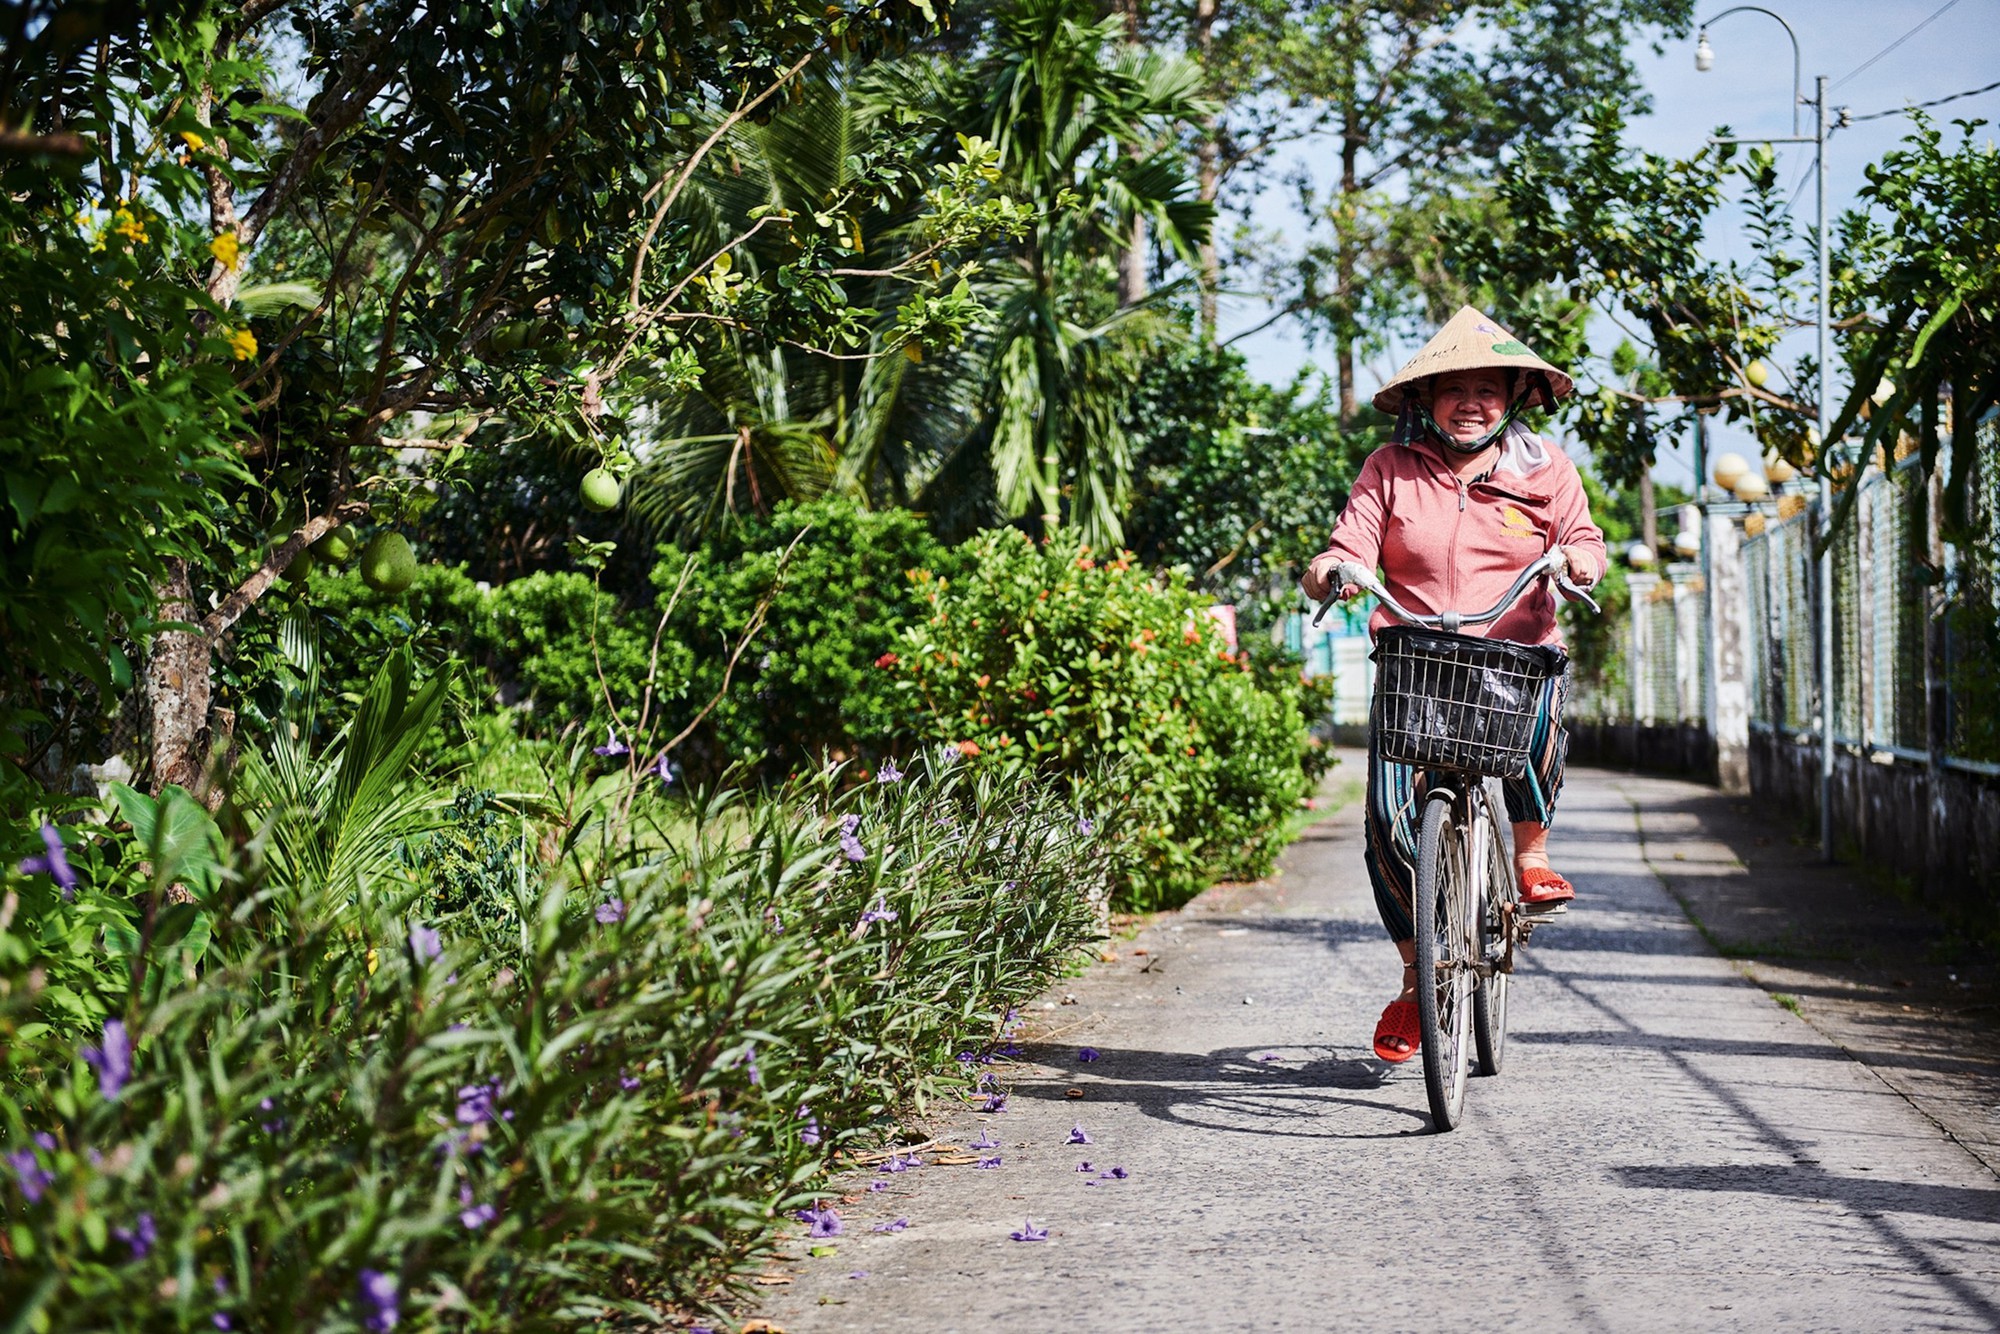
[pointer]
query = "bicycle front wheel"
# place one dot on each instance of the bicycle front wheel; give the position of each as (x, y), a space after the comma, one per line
(1493, 892)
(1445, 947)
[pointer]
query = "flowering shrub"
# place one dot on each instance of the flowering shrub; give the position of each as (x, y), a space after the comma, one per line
(1050, 660)
(357, 1108)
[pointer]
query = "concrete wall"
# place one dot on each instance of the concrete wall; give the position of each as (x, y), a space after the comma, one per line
(1661, 748)
(1941, 828)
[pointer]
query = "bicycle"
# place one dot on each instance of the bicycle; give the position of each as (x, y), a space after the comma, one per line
(1461, 710)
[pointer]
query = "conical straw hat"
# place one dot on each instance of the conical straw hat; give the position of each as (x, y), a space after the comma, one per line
(1470, 341)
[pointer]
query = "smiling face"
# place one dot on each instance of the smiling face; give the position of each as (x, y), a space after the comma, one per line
(1468, 404)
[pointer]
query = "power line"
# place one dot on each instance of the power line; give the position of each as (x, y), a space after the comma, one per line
(1898, 42)
(1920, 106)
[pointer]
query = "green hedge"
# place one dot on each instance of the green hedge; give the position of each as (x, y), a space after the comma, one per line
(1047, 659)
(594, 1106)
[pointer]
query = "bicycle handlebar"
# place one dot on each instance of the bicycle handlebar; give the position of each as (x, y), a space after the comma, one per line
(1552, 563)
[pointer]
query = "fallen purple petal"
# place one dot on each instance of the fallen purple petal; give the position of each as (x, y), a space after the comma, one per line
(1029, 1232)
(1088, 1054)
(896, 1225)
(986, 1141)
(823, 1221)
(878, 1185)
(995, 1102)
(1115, 1174)
(1077, 1135)
(994, 1161)
(1086, 1167)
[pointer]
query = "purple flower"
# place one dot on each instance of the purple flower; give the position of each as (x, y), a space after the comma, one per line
(665, 769)
(859, 1273)
(1010, 1049)
(476, 1103)
(1029, 1232)
(898, 1163)
(276, 1124)
(986, 1140)
(1115, 1174)
(1270, 1056)
(889, 773)
(1086, 1167)
(1077, 1136)
(824, 1221)
(140, 1236)
(878, 1185)
(627, 1082)
(985, 1077)
(850, 845)
(809, 1132)
(473, 1216)
(611, 912)
(1085, 825)
(424, 943)
(612, 745)
(221, 1321)
(1088, 1054)
(28, 1170)
(994, 1161)
(378, 1294)
(995, 1102)
(897, 1226)
(881, 912)
(112, 1060)
(749, 1062)
(53, 863)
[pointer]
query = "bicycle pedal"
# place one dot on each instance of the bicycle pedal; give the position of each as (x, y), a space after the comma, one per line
(1542, 912)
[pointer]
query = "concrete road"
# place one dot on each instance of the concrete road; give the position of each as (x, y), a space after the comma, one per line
(1668, 1148)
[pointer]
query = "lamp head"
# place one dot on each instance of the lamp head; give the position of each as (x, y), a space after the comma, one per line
(1704, 54)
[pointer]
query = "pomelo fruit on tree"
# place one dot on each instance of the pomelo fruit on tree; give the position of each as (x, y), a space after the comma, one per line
(299, 567)
(335, 545)
(1756, 373)
(387, 563)
(600, 490)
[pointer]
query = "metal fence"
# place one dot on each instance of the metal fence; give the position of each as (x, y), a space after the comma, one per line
(1915, 672)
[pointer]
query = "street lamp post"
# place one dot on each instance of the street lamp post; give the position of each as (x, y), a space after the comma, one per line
(1704, 59)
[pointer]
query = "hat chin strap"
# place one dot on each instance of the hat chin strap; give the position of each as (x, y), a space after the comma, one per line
(1529, 386)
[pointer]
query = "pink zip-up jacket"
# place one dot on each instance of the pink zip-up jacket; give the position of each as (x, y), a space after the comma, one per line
(1446, 545)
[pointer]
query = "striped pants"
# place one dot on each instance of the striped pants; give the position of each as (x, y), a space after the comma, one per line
(1391, 836)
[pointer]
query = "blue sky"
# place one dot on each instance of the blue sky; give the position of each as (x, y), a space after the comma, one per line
(1749, 89)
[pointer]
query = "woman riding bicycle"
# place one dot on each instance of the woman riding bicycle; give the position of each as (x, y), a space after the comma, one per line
(1461, 499)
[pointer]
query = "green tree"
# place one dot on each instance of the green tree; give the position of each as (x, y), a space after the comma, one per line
(461, 222)
(1422, 100)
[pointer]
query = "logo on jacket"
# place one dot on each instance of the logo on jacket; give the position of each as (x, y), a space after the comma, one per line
(1516, 524)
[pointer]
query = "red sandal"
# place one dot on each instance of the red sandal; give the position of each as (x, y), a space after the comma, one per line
(1397, 1024)
(1541, 887)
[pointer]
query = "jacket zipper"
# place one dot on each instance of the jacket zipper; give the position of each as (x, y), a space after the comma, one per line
(1456, 525)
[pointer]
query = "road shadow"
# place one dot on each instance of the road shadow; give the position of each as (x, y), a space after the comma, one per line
(1295, 1091)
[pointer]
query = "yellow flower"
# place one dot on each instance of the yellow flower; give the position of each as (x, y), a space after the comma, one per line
(372, 960)
(227, 250)
(193, 140)
(125, 224)
(244, 344)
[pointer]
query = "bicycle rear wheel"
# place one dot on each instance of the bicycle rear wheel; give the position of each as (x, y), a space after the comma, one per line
(1493, 891)
(1444, 948)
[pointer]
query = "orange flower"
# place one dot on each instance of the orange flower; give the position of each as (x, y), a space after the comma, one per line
(968, 747)
(886, 660)
(984, 680)
(1190, 636)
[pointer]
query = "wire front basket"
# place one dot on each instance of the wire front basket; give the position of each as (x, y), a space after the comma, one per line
(1459, 702)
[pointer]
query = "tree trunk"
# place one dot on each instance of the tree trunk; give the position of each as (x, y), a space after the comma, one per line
(177, 687)
(1649, 518)
(1132, 264)
(1345, 228)
(1208, 170)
